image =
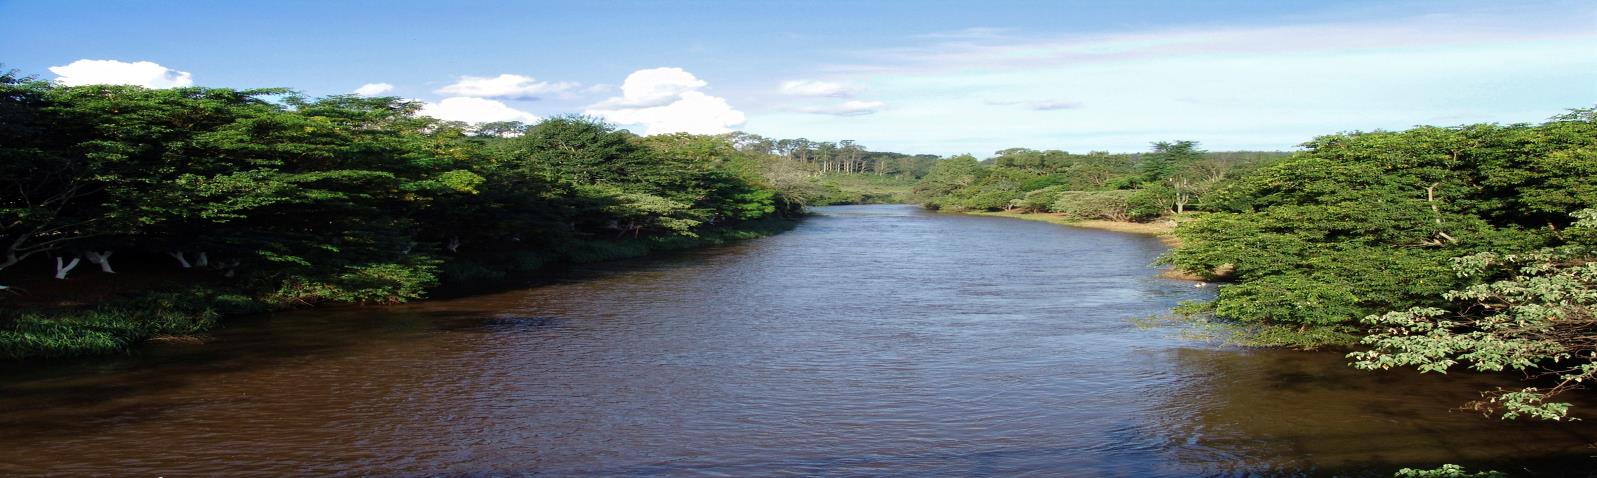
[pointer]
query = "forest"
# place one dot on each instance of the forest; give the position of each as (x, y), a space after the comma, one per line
(131, 213)
(1432, 247)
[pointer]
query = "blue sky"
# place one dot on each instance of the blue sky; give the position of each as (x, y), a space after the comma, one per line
(922, 77)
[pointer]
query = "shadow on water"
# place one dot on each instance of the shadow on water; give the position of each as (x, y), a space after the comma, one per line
(74, 395)
(1307, 413)
(314, 331)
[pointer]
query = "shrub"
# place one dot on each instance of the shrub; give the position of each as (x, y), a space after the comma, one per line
(105, 329)
(1041, 200)
(385, 283)
(990, 200)
(1108, 205)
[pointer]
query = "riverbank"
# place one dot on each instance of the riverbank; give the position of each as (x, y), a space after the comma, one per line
(165, 311)
(1163, 229)
(845, 189)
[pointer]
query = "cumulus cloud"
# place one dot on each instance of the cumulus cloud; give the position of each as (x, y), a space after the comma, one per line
(653, 87)
(1039, 105)
(475, 110)
(667, 100)
(814, 88)
(847, 108)
(113, 72)
(505, 86)
(374, 89)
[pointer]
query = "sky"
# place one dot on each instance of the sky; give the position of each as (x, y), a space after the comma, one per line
(930, 76)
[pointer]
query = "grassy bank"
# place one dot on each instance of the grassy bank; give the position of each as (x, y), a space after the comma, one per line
(175, 312)
(119, 324)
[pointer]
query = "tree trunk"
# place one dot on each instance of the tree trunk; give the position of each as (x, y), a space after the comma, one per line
(1430, 197)
(103, 260)
(203, 261)
(61, 269)
(183, 261)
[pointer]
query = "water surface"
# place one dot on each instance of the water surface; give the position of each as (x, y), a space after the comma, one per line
(871, 340)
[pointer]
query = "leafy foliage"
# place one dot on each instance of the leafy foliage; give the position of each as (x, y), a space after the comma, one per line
(294, 200)
(1447, 471)
(1169, 180)
(1534, 314)
(1363, 223)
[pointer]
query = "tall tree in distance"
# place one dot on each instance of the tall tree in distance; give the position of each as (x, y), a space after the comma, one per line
(1168, 158)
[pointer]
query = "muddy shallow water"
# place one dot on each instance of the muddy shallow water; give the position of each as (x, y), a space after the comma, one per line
(870, 340)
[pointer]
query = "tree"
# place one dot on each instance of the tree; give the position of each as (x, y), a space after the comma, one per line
(947, 177)
(500, 129)
(1098, 171)
(580, 150)
(35, 219)
(1168, 158)
(1534, 313)
(1368, 222)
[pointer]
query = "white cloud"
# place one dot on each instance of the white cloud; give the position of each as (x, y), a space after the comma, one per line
(847, 108)
(475, 110)
(505, 86)
(814, 88)
(654, 87)
(667, 100)
(374, 89)
(1039, 105)
(113, 72)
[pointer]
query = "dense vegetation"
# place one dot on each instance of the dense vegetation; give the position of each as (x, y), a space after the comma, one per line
(1432, 247)
(237, 200)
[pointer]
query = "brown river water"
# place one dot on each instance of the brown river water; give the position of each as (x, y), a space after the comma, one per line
(870, 340)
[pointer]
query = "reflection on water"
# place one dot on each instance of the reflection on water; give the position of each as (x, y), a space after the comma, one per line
(1307, 412)
(869, 340)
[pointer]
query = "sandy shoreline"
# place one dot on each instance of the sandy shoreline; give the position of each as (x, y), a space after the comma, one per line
(1163, 229)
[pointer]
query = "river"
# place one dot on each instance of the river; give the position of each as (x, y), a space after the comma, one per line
(869, 340)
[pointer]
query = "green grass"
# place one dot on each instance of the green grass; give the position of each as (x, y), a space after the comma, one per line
(102, 330)
(112, 328)
(865, 189)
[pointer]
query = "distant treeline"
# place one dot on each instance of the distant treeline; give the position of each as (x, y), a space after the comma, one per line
(846, 156)
(1123, 187)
